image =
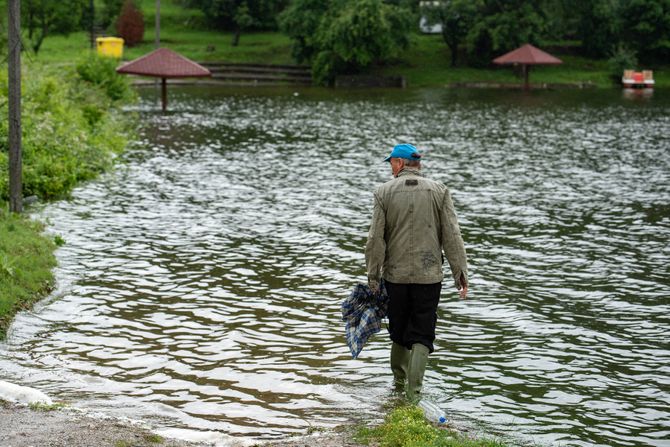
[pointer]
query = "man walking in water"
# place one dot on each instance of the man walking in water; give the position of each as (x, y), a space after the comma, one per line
(413, 223)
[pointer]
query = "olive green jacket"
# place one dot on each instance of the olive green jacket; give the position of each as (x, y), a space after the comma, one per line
(413, 222)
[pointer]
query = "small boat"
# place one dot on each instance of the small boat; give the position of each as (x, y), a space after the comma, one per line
(638, 79)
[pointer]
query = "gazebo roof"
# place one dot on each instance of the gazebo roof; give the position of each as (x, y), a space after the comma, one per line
(527, 54)
(164, 63)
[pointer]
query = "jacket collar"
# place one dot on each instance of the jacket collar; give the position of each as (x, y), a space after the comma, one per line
(410, 171)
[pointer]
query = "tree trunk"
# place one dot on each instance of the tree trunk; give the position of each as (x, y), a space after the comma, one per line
(454, 54)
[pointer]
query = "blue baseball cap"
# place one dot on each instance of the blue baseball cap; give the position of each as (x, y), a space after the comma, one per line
(406, 151)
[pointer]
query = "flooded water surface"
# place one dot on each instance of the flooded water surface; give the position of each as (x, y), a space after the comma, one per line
(201, 282)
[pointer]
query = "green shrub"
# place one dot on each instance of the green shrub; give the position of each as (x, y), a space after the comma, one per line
(101, 72)
(622, 58)
(346, 36)
(70, 129)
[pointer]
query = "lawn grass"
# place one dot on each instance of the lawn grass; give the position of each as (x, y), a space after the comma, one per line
(26, 260)
(266, 48)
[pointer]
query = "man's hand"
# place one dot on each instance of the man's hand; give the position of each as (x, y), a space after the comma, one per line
(463, 291)
(374, 286)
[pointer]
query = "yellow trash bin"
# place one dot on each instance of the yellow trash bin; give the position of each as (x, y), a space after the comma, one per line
(110, 46)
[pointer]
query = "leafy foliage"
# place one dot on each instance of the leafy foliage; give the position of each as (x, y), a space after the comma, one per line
(646, 27)
(130, 24)
(456, 17)
(300, 21)
(110, 11)
(503, 26)
(44, 17)
(622, 58)
(69, 133)
(488, 28)
(231, 14)
(598, 27)
(100, 72)
(346, 36)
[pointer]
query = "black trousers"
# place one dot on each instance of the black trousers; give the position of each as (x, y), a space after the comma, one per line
(412, 313)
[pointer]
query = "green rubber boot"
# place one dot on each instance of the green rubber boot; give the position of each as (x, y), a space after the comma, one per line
(417, 367)
(399, 365)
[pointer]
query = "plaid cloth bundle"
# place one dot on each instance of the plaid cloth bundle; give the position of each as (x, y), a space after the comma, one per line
(363, 312)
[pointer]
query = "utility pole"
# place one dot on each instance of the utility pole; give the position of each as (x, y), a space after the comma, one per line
(158, 44)
(92, 12)
(14, 73)
(158, 23)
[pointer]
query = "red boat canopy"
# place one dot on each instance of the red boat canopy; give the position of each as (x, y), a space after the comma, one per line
(164, 63)
(528, 55)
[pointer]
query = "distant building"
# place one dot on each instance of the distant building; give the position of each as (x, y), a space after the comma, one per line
(423, 21)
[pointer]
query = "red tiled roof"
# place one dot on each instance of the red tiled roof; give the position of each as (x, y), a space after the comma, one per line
(527, 54)
(164, 63)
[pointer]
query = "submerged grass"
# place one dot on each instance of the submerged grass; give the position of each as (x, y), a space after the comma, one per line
(406, 427)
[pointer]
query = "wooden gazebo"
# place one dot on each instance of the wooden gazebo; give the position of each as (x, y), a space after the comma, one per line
(526, 56)
(164, 63)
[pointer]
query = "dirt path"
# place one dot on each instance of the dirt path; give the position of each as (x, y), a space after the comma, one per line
(21, 426)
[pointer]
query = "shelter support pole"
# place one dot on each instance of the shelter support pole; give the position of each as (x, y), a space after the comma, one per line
(14, 109)
(164, 93)
(526, 84)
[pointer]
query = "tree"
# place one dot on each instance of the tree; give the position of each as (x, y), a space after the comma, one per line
(239, 15)
(300, 21)
(502, 26)
(354, 34)
(598, 26)
(646, 28)
(110, 12)
(456, 18)
(45, 17)
(562, 18)
(130, 24)
(242, 20)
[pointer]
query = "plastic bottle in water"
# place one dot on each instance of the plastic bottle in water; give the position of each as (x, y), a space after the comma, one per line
(432, 412)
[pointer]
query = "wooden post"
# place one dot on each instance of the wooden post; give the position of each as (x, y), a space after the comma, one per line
(164, 93)
(14, 99)
(526, 84)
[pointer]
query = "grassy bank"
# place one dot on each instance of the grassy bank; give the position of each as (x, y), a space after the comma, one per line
(26, 260)
(426, 63)
(406, 427)
(71, 132)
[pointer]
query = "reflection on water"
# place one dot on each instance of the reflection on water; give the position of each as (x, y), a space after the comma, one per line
(201, 281)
